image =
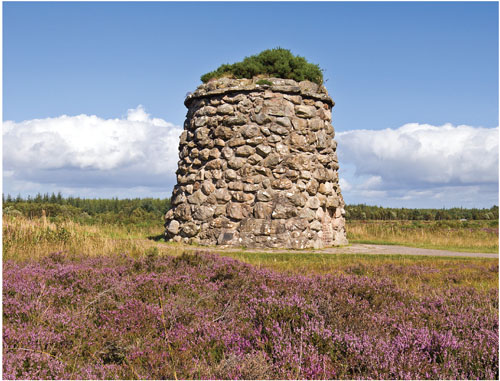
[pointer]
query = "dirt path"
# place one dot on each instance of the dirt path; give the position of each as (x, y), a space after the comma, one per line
(361, 248)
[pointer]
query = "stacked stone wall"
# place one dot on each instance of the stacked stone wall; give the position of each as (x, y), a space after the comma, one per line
(258, 167)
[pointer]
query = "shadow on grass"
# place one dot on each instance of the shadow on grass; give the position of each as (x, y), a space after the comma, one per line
(157, 238)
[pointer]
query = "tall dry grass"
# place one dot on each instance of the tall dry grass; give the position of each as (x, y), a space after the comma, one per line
(25, 238)
(474, 237)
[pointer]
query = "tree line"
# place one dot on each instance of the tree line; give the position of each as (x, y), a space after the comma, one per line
(89, 210)
(142, 209)
(367, 212)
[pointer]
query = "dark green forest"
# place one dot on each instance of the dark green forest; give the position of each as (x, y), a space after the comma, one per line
(366, 212)
(148, 210)
(143, 211)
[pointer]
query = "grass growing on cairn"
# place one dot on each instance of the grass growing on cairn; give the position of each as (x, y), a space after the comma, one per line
(278, 62)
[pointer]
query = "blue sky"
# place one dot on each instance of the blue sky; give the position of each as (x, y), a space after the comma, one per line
(386, 64)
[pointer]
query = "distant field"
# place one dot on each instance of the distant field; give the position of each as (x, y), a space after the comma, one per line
(473, 236)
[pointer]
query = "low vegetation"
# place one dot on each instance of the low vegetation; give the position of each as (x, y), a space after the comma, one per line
(411, 273)
(30, 238)
(278, 62)
(204, 316)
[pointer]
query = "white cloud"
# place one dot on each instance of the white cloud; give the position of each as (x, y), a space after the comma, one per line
(421, 153)
(373, 182)
(88, 151)
(344, 184)
(433, 164)
(416, 165)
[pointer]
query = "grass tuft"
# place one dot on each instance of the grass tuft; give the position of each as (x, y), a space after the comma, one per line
(278, 62)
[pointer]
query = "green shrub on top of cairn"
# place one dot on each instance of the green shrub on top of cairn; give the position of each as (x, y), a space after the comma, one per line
(278, 62)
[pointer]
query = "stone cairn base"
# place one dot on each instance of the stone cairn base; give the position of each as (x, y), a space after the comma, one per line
(258, 167)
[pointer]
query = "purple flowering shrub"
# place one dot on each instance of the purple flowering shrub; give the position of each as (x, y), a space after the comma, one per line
(205, 316)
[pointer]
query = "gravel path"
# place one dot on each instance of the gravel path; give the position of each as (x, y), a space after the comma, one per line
(359, 248)
(355, 248)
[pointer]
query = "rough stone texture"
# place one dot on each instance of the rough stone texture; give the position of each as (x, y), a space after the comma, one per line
(258, 167)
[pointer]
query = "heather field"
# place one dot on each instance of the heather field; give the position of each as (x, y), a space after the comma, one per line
(102, 301)
(204, 316)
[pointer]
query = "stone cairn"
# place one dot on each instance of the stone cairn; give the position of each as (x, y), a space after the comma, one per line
(258, 167)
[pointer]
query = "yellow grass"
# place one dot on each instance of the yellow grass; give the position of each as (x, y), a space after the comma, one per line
(430, 235)
(25, 238)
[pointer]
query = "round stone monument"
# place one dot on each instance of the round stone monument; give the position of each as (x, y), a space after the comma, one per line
(258, 167)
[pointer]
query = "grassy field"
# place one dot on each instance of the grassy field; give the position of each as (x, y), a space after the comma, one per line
(114, 301)
(408, 272)
(25, 238)
(472, 236)
(32, 239)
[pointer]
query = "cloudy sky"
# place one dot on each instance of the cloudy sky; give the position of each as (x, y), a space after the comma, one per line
(93, 92)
